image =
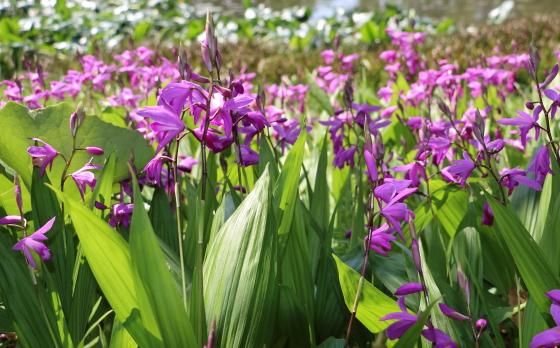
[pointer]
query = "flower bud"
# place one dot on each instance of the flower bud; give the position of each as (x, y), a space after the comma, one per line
(218, 60)
(94, 150)
(81, 112)
(348, 234)
(481, 325)
(205, 50)
(73, 124)
(100, 206)
(17, 192)
(464, 285)
(182, 61)
(10, 219)
(416, 255)
(529, 105)
(212, 334)
(281, 120)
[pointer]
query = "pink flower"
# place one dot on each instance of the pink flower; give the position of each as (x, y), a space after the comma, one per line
(42, 156)
(153, 169)
(83, 177)
(167, 123)
(31, 243)
(463, 168)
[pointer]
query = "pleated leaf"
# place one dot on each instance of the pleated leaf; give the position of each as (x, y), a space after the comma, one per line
(535, 269)
(160, 303)
(373, 304)
(240, 285)
(108, 255)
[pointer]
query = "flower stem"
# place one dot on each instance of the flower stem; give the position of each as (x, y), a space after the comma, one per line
(178, 218)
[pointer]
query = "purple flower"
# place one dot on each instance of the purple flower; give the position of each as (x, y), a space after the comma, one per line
(328, 56)
(390, 189)
(396, 330)
(525, 123)
(393, 211)
(286, 134)
(167, 124)
(31, 242)
(513, 177)
(481, 325)
(487, 215)
(153, 169)
(441, 339)
(120, 214)
(463, 168)
(550, 337)
(413, 172)
(371, 172)
(450, 313)
(94, 150)
(541, 165)
(186, 163)
(345, 157)
(380, 239)
(10, 219)
(409, 288)
(248, 155)
(83, 177)
(42, 156)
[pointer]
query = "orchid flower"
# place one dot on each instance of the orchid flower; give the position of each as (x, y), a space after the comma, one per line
(462, 168)
(406, 320)
(42, 156)
(551, 337)
(513, 177)
(541, 165)
(32, 243)
(83, 177)
(525, 122)
(153, 169)
(167, 123)
(380, 239)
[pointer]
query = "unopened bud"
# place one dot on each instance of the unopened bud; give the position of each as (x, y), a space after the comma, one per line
(99, 205)
(464, 285)
(17, 192)
(212, 334)
(81, 112)
(218, 60)
(206, 55)
(416, 256)
(182, 61)
(73, 124)
(529, 105)
(209, 31)
(481, 325)
(94, 150)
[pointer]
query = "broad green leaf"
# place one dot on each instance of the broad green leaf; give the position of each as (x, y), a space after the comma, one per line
(292, 319)
(286, 190)
(332, 342)
(536, 271)
(108, 255)
(450, 204)
(120, 338)
(160, 303)
(373, 304)
(163, 220)
(240, 285)
(502, 313)
(51, 125)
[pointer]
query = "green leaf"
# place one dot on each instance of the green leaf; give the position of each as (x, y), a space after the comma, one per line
(536, 271)
(51, 125)
(240, 268)
(332, 342)
(502, 313)
(373, 304)
(163, 219)
(286, 190)
(108, 255)
(120, 338)
(160, 303)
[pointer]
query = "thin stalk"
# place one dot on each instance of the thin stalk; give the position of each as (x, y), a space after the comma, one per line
(547, 130)
(240, 158)
(178, 218)
(62, 181)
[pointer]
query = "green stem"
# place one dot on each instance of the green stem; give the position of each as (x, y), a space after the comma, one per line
(179, 229)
